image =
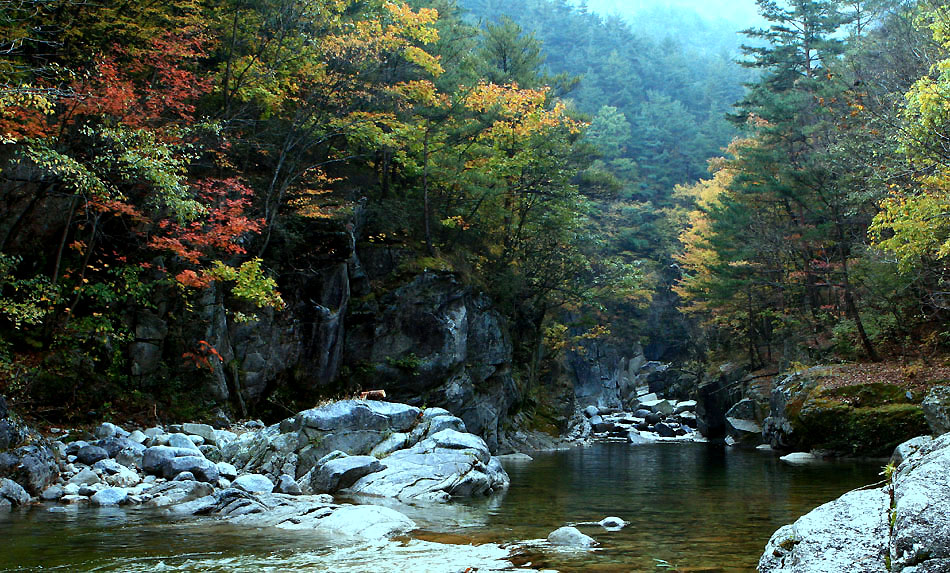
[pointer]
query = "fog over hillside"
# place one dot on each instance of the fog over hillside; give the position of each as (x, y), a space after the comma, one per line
(742, 12)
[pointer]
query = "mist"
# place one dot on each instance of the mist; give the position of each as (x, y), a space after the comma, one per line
(741, 12)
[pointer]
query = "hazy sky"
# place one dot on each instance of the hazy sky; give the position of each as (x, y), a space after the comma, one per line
(743, 12)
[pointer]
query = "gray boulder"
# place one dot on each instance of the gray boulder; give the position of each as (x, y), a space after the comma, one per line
(115, 444)
(664, 430)
(936, 407)
(108, 430)
(52, 493)
(13, 492)
(223, 437)
(110, 496)
(570, 537)
(176, 492)
(213, 453)
(116, 474)
(662, 407)
(155, 457)
(33, 467)
(397, 441)
(138, 437)
(685, 406)
(287, 485)
(612, 523)
(367, 522)
(310, 512)
(921, 529)
(745, 433)
(203, 469)
(85, 476)
(253, 483)
(447, 464)
(226, 470)
(848, 534)
(203, 430)
(353, 426)
(742, 423)
(182, 441)
(89, 455)
(800, 458)
(909, 448)
(341, 473)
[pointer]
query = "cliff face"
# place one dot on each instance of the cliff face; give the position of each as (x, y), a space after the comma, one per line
(425, 338)
(434, 342)
(359, 320)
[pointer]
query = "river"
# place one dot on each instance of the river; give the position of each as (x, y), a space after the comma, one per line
(691, 507)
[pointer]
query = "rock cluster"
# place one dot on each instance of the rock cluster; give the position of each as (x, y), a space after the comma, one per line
(902, 527)
(376, 448)
(263, 476)
(651, 418)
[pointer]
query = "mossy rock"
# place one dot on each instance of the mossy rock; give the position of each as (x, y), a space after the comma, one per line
(868, 420)
(869, 395)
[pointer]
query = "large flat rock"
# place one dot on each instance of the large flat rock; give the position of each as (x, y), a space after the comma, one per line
(447, 464)
(848, 534)
(922, 505)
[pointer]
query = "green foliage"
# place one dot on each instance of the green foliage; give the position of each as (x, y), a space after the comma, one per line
(250, 284)
(408, 362)
(24, 302)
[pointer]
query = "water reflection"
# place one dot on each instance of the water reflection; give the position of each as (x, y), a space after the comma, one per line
(698, 507)
(701, 507)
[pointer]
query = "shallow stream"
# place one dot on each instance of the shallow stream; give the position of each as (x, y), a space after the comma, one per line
(693, 507)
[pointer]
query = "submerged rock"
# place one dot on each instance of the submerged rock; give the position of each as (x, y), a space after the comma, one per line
(310, 512)
(570, 537)
(612, 523)
(366, 522)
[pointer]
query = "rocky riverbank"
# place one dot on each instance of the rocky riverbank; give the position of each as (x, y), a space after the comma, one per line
(902, 526)
(276, 476)
(650, 418)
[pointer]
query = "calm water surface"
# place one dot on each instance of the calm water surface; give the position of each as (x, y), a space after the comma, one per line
(696, 507)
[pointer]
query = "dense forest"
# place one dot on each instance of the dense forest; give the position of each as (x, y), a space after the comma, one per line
(163, 158)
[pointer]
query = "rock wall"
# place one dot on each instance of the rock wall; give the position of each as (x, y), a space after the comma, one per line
(607, 377)
(435, 342)
(368, 321)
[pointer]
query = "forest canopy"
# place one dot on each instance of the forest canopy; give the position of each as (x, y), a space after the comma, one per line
(179, 158)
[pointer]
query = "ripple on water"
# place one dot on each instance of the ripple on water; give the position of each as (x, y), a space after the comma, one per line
(413, 556)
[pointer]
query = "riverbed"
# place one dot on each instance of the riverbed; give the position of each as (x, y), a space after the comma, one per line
(692, 507)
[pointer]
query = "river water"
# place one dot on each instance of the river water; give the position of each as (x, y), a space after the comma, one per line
(691, 507)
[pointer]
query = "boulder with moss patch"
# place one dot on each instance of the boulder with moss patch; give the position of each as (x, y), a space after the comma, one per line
(861, 419)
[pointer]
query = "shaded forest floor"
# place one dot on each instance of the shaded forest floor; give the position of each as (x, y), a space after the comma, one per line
(917, 376)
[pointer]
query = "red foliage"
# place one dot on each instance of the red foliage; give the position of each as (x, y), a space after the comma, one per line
(201, 357)
(146, 87)
(219, 232)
